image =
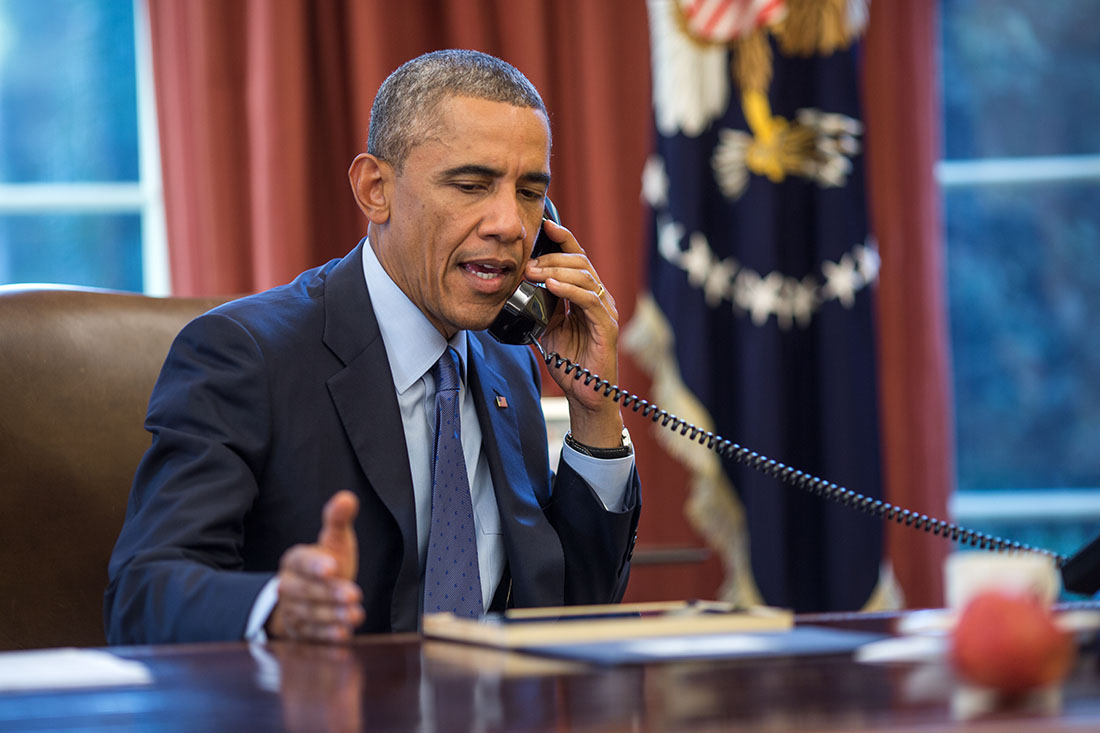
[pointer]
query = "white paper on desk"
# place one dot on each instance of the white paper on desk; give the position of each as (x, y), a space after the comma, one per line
(53, 669)
(903, 649)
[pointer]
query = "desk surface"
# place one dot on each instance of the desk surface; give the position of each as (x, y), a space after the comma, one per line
(402, 682)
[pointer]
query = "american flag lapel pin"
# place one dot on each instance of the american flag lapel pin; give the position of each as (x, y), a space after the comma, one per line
(502, 401)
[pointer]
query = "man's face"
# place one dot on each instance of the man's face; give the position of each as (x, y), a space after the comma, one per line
(465, 210)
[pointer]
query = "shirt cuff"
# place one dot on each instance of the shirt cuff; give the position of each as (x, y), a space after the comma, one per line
(608, 477)
(261, 610)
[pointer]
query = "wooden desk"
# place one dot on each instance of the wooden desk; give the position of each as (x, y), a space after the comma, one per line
(404, 683)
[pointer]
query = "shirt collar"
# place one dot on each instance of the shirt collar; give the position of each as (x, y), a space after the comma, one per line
(413, 344)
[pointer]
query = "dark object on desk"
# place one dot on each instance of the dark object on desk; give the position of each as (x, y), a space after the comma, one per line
(1081, 573)
(76, 369)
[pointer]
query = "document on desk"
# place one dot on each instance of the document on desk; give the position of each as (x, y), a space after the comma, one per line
(647, 632)
(799, 641)
(62, 669)
(526, 627)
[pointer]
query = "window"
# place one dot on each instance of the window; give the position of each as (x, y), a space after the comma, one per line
(80, 196)
(1021, 185)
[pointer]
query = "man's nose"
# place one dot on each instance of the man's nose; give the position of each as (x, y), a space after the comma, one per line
(504, 219)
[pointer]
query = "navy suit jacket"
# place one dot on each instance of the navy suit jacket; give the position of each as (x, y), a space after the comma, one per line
(268, 405)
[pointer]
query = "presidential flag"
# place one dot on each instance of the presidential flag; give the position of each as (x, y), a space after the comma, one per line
(758, 324)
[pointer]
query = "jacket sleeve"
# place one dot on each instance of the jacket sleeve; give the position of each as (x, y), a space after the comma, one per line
(597, 543)
(176, 573)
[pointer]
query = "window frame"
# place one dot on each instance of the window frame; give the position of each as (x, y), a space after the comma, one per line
(145, 197)
(1054, 505)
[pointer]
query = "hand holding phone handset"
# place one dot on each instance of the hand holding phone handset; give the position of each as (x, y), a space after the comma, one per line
(563, 304)
(524, 320)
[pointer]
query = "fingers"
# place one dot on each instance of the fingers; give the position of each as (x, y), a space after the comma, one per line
(569, 274)
(308, 573)
(321, 633)
(337, 535)
(290, 622)
(584, 289)
(309, 611)
(314, 604)
(337, 518)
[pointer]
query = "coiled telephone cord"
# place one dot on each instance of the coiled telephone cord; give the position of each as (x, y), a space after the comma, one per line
(792, 476)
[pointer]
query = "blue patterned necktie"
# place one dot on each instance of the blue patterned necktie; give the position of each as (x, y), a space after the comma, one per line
(452, 581)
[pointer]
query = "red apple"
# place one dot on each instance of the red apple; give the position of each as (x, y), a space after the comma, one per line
(1009, 642)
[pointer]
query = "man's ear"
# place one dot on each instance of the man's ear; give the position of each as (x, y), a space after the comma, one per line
(371, 182)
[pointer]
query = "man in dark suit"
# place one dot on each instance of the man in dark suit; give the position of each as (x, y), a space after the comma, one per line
(289, 489)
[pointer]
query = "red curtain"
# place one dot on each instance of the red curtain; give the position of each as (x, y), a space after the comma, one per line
(903, 116)
(263, 104)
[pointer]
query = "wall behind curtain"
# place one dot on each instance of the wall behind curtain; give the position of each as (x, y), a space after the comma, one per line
(262, 106)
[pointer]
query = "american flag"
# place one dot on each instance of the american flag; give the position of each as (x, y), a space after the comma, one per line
(725, 20)
(758, 322)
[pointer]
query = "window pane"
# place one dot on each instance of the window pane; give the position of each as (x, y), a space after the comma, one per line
(68, 92)
(1020, 77)
(96, 250)
(1024, 281)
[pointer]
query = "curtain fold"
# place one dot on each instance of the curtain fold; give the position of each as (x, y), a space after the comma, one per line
(196, 103)
(903, 122)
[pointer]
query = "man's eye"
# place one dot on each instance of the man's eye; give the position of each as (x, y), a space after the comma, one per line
(533, 195)
(470, 187)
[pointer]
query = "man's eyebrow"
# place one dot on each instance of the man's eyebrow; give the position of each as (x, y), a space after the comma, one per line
(484, 171)
(536, 177)
(480, 171)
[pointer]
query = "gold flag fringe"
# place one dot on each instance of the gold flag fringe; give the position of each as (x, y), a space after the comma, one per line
(752, 63)
(820, 26)
(887, 595)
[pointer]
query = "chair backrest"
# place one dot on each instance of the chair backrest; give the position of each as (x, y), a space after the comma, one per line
(76, 369)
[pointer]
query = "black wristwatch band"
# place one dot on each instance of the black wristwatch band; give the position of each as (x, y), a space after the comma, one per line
(624, 450)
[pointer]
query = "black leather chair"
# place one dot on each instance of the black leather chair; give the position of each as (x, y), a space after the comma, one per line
(76, 369)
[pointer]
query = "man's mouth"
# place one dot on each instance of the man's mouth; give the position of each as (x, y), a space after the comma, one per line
(486, 271)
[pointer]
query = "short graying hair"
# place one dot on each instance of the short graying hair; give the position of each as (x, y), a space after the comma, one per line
(404, 109)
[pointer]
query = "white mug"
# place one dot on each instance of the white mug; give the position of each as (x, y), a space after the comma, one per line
(1027, 573)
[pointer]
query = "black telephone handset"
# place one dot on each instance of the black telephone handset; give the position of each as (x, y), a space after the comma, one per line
(524, 319)
(528, 310)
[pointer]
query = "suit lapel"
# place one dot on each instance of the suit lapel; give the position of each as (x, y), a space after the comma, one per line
(532, 547)
(367, 404)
